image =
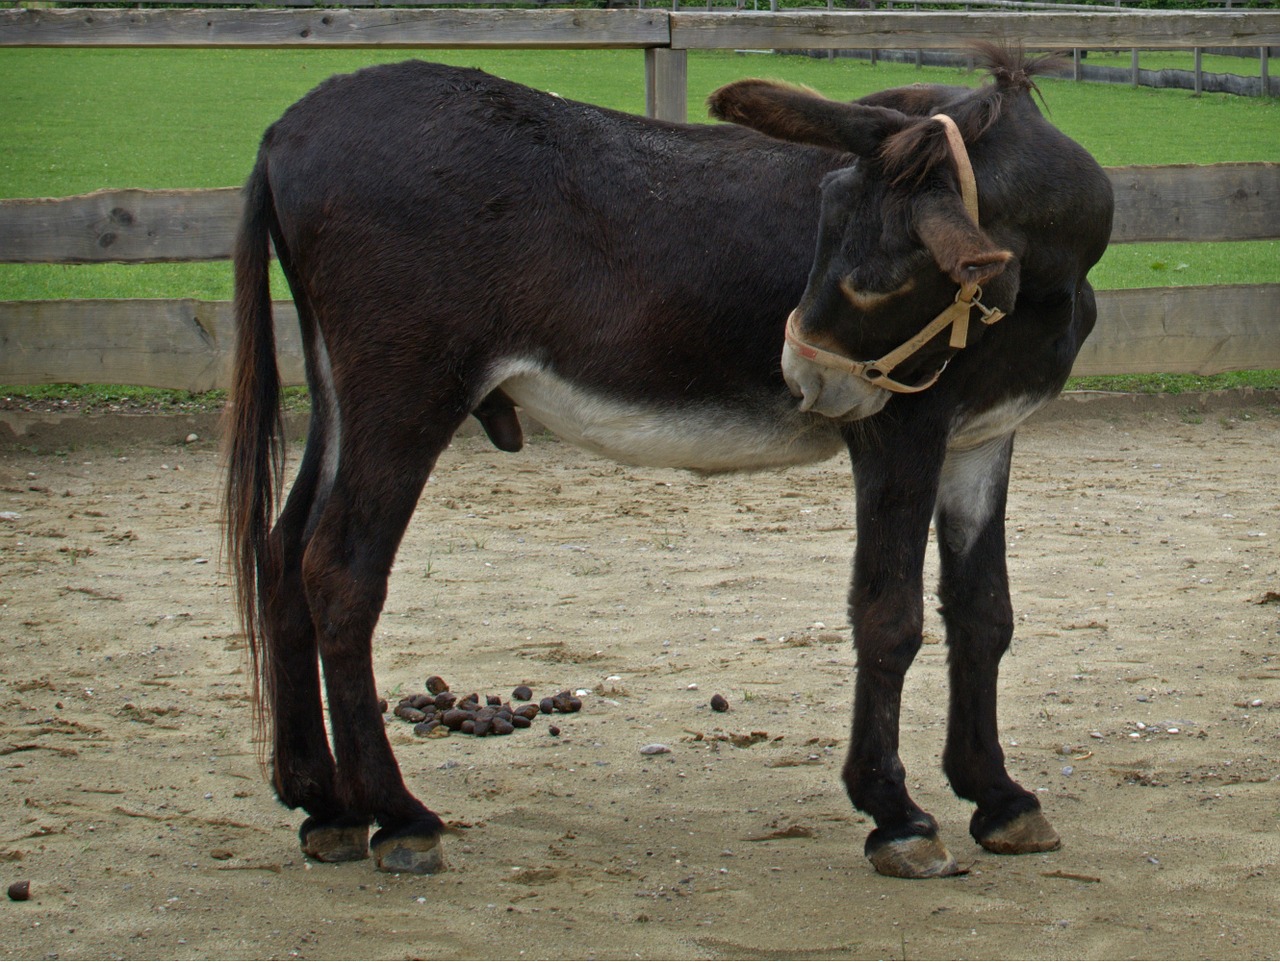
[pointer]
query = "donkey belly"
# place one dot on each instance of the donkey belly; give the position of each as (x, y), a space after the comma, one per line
(711, 435)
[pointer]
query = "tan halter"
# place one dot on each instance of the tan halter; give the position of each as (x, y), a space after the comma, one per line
(956, 316)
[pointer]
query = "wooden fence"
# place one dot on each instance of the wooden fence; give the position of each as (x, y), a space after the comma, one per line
(186, 344)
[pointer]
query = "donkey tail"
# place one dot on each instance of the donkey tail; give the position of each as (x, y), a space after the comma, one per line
(254, 432)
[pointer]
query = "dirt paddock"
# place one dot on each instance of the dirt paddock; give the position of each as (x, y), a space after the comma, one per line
(1141, 700)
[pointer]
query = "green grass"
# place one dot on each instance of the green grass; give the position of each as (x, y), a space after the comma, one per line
(1250, 66)
(1177, 383)
(81, 120)
(1126, 266)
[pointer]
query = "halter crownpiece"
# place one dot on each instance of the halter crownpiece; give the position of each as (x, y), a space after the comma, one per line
(956, 316)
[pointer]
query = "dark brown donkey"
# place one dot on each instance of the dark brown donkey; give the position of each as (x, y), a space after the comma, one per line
(459, 245)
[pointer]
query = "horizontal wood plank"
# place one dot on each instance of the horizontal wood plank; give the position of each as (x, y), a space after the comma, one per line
(1184, 330)
(949, 30)
(188, 344)
(1213, 202)
(409, 28)
(1177, 203)
(182, 344)
(329, 27)
(120, 225)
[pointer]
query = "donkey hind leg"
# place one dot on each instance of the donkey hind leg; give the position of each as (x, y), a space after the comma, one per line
(974, 590)
(887, 611)
(379, 476)
(302, 764)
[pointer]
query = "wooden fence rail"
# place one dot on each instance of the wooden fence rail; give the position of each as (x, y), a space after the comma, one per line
(1175, 203)
(186, 344)
(665, 36)
(680, 30)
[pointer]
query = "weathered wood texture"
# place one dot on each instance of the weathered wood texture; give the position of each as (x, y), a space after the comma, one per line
(904, 30)
(179, 344)
(386, 28)
(120, 225)
(187, 344)
(666, 84)
(1214, 202)
(1185, 330)
(1177, 203)
(897, 29)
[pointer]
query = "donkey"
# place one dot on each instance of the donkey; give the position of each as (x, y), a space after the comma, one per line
(458, 245)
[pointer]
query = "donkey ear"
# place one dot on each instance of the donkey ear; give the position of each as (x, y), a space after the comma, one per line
(960, 247)
(804, 116)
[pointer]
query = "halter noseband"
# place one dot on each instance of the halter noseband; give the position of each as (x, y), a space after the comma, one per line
(956, 316)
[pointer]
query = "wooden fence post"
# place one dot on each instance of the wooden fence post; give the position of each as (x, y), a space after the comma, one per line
(666, 84)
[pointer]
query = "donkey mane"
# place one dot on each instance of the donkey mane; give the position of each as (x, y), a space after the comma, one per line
(909, 156)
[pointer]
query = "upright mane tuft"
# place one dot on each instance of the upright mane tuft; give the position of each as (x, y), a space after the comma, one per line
(1011, 68)
(908, 157)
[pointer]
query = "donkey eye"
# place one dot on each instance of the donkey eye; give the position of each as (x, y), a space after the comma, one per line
(870, 300)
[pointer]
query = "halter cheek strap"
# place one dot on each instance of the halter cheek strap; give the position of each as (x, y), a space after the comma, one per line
(956, 316)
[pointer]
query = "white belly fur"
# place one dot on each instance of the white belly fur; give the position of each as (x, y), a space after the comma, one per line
(701, 438)
(972, 430)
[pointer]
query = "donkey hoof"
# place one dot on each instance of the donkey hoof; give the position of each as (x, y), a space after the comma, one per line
(409, 850)
(1028, 832)
(916, 856)
(337, 841)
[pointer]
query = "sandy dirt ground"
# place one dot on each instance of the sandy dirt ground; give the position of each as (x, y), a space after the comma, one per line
(1141, 700)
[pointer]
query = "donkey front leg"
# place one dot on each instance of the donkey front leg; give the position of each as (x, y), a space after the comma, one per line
(974, 590)
(895, 493)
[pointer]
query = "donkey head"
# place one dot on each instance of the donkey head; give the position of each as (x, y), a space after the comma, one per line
(900, 255)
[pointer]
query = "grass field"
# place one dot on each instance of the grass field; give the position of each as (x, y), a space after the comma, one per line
(81, 120)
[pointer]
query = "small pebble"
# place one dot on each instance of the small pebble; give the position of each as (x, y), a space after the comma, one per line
(522, 693)
(655, 749)
(20, 891)
(553, 731)
(719, 703)
(436, 684)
